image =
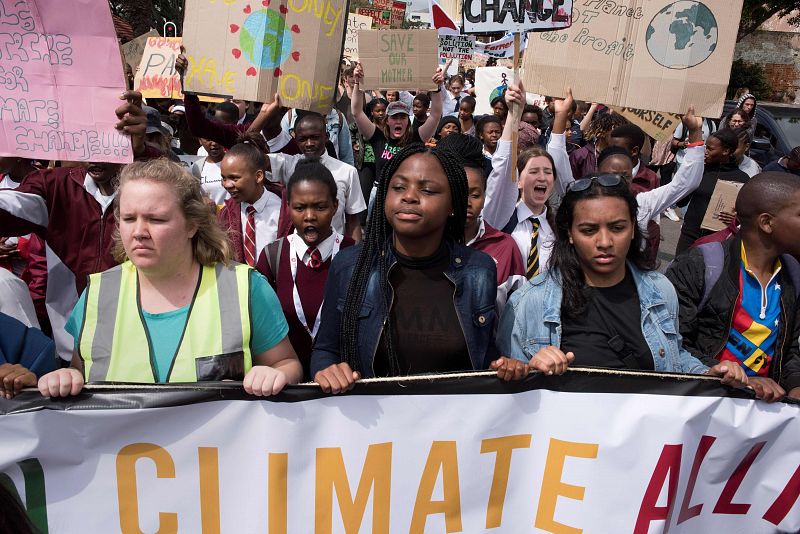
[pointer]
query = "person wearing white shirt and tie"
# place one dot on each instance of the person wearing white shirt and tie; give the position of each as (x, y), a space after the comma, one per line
(311, 135)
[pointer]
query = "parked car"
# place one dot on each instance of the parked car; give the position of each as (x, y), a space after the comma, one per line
(777, 130)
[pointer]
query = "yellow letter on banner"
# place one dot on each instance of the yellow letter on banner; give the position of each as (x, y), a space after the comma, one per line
(126, 486)
(208, 460)
(503, 447)
(331, 474)
(553, 487)
(443, 456)
(278, 481)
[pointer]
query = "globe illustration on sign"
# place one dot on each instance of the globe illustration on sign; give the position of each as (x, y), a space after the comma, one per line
(682, 35)
(265, 40)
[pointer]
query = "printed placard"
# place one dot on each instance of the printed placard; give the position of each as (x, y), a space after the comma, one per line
(61, 77)
(253, 50)
(481, 16)
(661, 54)
(398, 59)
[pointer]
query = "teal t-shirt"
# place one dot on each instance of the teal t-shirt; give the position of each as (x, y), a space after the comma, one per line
(165, 329)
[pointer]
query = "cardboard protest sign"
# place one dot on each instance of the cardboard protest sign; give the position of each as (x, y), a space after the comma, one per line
(380, 17)
(456, 47)
(490, 82)
(482, 16)
(656, 124)
(662, 55)
(398, 59)
(355, 23)
(722, 199)
(253, 51)
(132, 51)
(156, 76)
(61, 76)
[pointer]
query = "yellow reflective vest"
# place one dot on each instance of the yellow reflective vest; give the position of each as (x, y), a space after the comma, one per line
(115, 345)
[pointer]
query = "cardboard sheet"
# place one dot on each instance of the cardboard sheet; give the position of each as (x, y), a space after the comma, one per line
(659, 55)
(398, 59)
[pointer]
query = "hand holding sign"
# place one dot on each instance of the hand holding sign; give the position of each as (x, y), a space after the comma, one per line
(132, 120)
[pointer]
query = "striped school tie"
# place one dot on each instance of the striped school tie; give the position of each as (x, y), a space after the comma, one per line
(250, 237)
(533, 255)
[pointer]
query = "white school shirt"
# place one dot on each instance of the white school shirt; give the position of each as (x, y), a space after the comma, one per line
(651, 203)
(210, 176)
(348, 186)
(522, 235)
(268, 209)
(325, 249)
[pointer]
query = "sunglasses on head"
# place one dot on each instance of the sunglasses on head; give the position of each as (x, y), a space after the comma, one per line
(606, 180)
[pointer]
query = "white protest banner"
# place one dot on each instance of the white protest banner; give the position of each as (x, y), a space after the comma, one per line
(398, 59)
(501, 48)
(661, 54)
(456, 47)
(596, 452)
(355, 23)
(252, 51)
(61, 76)
(481, 16)
(490, 82)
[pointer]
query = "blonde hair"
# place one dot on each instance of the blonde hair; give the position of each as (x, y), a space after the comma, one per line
(210, 243)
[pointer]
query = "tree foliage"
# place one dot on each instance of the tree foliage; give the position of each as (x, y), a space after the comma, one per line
(145, 14)
(750, 75)
(756, 12)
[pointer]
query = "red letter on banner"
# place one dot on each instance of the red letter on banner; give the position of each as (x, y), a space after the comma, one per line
(725, 504)
(777, 512)
(668, 464)
(702, 449)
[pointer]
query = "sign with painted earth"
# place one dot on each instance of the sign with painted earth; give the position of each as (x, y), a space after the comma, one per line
(682, 35)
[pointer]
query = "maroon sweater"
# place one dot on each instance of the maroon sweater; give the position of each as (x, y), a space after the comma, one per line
(503, 250)
(310, 286)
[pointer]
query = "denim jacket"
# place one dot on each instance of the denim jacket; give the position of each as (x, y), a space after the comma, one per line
(532, 321)
(474, 279)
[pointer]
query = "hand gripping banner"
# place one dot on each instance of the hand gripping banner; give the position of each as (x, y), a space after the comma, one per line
(589, 451)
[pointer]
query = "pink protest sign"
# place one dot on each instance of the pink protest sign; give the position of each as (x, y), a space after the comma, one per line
(61, 78)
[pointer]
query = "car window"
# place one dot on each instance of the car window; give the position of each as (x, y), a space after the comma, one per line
(790, 126)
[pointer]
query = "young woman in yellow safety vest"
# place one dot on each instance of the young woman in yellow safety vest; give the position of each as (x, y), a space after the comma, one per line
(176, 309)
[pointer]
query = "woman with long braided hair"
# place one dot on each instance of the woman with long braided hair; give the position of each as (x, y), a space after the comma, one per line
(411, 298)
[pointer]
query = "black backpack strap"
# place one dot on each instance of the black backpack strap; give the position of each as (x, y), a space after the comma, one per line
(714, 260)
(274, 250)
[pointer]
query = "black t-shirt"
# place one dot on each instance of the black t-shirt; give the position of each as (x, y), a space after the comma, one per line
(609, 330)
(426, 331)
(385, 149)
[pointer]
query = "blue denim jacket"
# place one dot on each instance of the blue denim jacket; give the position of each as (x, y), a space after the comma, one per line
(474, 279)
(532, 321)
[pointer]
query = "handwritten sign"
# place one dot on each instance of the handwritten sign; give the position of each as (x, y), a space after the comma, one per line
(253, 50)
(516, 15)
(398, 15)
(132, 51)
(61, 78)
(656, 124)
(156, 76)
(456, 47)
(490, 82)
(501, 48)
(380, 17)
(655, 55)
(398, 59)
(355, 23)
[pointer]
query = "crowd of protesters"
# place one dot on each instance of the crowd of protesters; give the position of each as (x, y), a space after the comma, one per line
(397, 234)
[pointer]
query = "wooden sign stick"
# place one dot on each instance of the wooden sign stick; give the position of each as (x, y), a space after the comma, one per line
(515, 132)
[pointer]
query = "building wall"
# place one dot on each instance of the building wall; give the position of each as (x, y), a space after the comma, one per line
(778, 52)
